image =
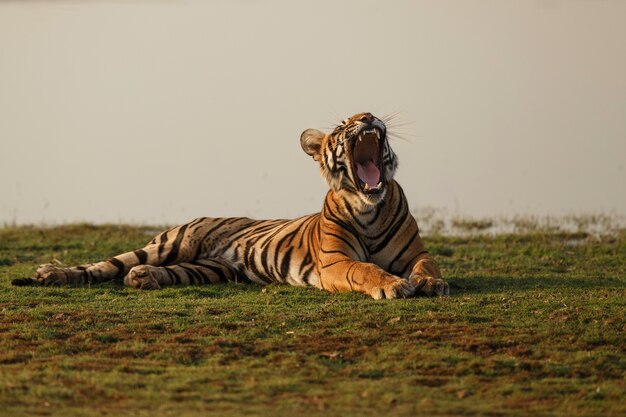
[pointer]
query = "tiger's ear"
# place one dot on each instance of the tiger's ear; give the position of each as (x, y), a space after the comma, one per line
(311, 142)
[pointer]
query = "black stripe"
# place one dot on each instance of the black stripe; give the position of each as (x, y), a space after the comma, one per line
(354, 234)
(119, 265)
(305, 262)
(141, 255)
(330, 216)
(171, 257)
(250, 263)
(343, 225)
(325, 157)
(284, 266)
(200, 275)
(377, 214)
(194, 275)
(239, 274)
(411, 262)
(390, 235)
(334, 251)
(264, 259)
(255, 230)
(396, 215)
(176, 279)
(306, 273)
(334, 152)
(350, 278)
(251, 230)
(217, 270)
(288, 241)
(360, 213)
(308, 225)
(85, 276)
(197, 221)
(343, 240)
(401, 251)
(324, 266)
(220, 222)
(282, 227)
(162, 245)
(353, 216)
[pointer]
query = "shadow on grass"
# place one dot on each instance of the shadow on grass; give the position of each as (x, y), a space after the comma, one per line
(460, 286)
(211, 291)
(117, 287)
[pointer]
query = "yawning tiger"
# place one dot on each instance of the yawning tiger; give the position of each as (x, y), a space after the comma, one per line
(365, 239)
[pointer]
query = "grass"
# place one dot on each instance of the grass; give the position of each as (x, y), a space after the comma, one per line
(535, 325)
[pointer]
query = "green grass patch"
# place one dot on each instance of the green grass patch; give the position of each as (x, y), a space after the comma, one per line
(535, 325)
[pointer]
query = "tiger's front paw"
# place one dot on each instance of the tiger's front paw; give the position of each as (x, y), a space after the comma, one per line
(429, 286)
(393, 288)
(141, 277)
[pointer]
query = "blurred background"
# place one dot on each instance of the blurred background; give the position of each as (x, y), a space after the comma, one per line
(157, 112)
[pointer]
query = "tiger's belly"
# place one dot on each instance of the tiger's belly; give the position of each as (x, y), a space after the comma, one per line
(292, 276)
(280, 254)
(288, 266)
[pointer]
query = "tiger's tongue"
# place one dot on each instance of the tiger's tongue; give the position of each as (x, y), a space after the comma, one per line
(369, 173)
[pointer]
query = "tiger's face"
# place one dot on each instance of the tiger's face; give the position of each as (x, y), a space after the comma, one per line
(355, 158)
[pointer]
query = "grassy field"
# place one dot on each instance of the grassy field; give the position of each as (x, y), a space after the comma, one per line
(535, 325)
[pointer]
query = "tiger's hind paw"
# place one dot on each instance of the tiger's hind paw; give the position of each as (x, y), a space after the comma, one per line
(49, 274)
(141, 277)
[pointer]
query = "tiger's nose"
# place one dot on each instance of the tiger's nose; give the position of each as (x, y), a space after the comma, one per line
(367, 118)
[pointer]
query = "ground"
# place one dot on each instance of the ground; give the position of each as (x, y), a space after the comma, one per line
(535, 325)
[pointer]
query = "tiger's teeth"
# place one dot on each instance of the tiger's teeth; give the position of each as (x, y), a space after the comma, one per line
(377, 133)
(366, 186)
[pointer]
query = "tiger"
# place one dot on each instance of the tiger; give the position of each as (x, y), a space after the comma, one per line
(364, 239)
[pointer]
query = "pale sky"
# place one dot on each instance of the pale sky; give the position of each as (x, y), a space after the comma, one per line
(161, 111)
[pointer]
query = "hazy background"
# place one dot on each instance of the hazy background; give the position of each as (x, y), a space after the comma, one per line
(161, 111)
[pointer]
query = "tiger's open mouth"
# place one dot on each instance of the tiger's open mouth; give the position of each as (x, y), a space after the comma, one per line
(366, 161)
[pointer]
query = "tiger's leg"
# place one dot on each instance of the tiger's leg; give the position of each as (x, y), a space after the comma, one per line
(116, 267)
(172, 246)
(113, 268)
(364, 277)
(198, 272)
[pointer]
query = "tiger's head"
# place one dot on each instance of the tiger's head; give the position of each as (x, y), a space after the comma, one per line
(355, 158)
